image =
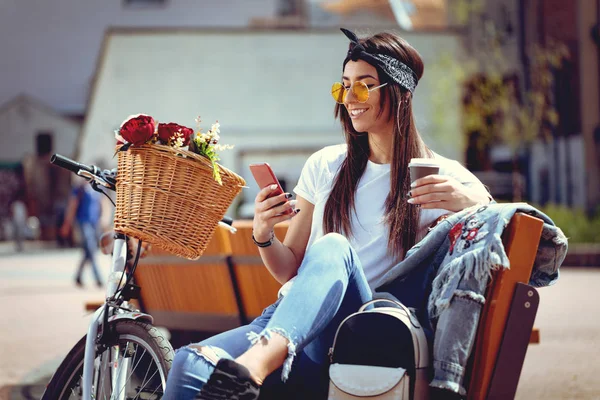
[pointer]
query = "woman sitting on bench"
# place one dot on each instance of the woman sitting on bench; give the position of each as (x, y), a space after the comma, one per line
(355, 216)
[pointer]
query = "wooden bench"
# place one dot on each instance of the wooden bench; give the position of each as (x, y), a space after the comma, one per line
(257, 287)
(505, 326)
(191, 295)
(229, 286)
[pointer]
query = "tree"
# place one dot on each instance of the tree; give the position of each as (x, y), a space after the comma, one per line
(498, 107)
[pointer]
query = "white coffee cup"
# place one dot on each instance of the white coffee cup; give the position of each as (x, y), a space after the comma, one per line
(421, 167)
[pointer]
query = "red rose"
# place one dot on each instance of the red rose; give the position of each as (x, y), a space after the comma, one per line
(137, 129)
(169, 133)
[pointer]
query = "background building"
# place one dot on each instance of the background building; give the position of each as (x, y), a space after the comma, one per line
(60, 59)
(560, 161)
(31, 133)
(50, 48)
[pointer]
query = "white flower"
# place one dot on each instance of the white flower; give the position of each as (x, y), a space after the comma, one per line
(203, 137)
(221, 147)
(177, 139)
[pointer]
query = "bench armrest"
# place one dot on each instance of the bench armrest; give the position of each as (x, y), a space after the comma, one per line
(521, 239)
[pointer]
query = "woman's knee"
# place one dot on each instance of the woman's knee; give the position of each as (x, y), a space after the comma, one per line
(333, 250)
(332, 244)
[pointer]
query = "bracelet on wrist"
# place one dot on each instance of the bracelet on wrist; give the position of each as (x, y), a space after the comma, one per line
(264, 244)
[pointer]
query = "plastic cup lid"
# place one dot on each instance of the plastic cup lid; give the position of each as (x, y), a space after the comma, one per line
(424, 162)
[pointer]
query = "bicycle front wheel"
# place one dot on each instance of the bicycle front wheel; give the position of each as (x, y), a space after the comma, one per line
(135, 366)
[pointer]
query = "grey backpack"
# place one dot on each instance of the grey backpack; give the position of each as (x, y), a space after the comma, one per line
(379, 353)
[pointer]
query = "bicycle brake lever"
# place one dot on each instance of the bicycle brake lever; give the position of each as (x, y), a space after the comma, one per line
(86, 174)
(231, 228)
(91, 177)
(110, 176)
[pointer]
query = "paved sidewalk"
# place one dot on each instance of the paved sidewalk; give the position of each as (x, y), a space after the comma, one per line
(29, 247)
(42, 317)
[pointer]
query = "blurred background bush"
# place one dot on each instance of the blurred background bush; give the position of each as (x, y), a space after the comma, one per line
(577, 225)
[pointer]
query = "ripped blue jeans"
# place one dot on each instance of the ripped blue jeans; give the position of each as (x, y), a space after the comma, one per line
(330, 285)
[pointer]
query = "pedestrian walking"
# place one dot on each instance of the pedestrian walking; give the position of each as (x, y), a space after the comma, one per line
(85, 207)
(19, 220)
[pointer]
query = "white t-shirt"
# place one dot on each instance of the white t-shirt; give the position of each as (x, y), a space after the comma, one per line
(369, 234)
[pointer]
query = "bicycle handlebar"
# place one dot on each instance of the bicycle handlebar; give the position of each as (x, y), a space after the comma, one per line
(93, 174)
(73, 166)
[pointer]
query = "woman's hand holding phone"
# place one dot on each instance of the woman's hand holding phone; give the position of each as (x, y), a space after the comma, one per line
(270, 209)
(271, 205)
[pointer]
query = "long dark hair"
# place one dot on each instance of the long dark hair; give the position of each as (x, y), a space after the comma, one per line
(401, 217)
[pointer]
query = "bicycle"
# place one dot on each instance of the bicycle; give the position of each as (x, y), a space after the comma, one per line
(106, 363)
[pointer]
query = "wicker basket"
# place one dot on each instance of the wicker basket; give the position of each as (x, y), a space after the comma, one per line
(169, 198)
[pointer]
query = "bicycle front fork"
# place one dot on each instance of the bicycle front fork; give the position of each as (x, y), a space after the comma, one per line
(117, 268)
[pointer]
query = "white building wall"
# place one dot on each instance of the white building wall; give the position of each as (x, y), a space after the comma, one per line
(270, 91)
(48, 48)
(20, 122)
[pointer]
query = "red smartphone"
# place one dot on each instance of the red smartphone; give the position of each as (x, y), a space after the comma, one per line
(264, 176)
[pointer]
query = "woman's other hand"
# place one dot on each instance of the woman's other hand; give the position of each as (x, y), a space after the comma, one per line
(445, 192)
(269, 211)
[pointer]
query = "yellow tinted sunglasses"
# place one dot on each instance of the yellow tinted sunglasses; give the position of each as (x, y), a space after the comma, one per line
(358, 88)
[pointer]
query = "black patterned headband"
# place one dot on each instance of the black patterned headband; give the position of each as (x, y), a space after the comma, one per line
(394, 68)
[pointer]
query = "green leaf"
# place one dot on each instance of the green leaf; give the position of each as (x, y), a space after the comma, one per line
(217, 173)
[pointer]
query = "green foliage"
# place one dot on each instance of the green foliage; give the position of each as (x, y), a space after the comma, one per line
(207, 145)
(208, 150)
(577, 226)
(496, 108)
(446, 72)
(464, 9)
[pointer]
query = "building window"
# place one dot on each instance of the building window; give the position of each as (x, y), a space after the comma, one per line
(144, 3)
(290, 7)
(43, 143)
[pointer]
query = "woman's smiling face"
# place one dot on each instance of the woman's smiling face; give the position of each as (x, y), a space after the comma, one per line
(367, 116)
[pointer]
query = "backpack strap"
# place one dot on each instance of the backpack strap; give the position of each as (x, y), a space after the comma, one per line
(409, 314)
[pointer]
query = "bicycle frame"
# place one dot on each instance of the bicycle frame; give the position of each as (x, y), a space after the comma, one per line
(118, 293)
(115, 306)
(119, 259)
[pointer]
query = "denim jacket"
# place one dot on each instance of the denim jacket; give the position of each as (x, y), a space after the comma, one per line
(444, 278)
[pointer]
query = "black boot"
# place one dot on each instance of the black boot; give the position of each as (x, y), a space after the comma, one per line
(229, 381)
(442, 394)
